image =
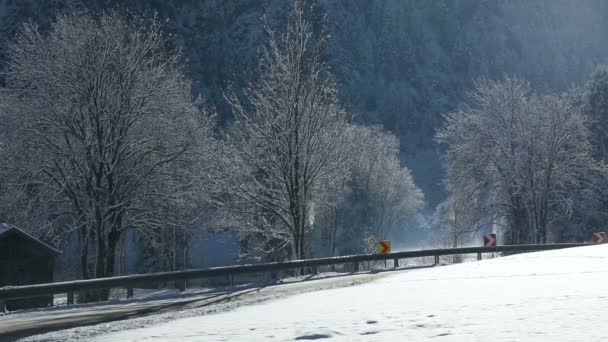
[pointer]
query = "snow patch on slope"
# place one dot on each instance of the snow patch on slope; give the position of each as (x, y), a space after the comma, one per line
(547, 296)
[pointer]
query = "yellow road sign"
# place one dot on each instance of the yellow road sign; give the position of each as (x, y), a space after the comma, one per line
(384, 247)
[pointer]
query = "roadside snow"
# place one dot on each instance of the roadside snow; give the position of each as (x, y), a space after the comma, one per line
(548, 296)
(153, 296)
(163, 310)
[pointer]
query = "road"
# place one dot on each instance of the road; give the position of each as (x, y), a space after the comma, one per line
(20, 325)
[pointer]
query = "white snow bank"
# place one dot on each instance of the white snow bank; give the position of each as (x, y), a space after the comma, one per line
(547, 296)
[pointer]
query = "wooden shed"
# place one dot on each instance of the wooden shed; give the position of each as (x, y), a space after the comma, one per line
(25, 260)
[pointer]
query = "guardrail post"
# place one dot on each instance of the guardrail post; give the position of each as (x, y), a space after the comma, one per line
(314, 269)
(129, 292)
(395, 262)
(355, 267)
(436, 260)
(231, 279)
(479, 256)
(70, 298)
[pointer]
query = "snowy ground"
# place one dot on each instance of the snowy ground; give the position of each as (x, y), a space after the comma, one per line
(159, 307)
(548, 296)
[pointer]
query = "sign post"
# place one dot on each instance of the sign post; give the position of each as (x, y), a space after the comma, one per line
(489, 240)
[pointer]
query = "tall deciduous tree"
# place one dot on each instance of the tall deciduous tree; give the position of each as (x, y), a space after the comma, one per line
(103, 131)
(376, 197)
(595, 100)
(458, 218)
(596, 105)
(288, 137)
(519, 156)
(383, 195)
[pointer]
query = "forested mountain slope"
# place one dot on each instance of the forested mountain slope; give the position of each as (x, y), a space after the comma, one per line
(399, 62)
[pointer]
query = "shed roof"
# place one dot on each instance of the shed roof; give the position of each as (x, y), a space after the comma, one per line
(6, 229)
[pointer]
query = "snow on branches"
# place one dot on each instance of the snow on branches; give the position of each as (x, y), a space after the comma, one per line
(516, 155)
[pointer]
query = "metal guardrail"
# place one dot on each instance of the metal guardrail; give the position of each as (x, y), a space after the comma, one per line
(129, 281)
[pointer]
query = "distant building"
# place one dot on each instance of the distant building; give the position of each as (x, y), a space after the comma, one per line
(25, 260)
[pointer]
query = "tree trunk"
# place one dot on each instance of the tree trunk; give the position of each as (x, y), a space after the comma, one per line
(84, 253)
(104, 294)
(301, 251)
(113, 239)
(123, 254)
(332, 243)
(89, 296)
(519, 227)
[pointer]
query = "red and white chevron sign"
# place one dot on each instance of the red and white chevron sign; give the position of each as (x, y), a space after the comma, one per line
(599, 237)
(489, 240)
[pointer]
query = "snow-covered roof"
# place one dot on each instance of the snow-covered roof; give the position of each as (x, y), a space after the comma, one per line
(6, 228)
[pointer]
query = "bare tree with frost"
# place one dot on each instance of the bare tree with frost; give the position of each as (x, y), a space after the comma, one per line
(458, 219)
(596, 105)
(383, 191)
(102, 129)
(594, 204)
(377, 195)
(287, 140)
(516, 155)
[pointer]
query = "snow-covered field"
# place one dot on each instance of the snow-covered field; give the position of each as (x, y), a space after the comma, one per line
(157, 307)
(548, 296)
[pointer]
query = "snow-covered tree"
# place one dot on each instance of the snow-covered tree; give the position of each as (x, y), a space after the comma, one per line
(102, 129)
(593, 202)
(388, 190)
(376, 196)
(596, 105)
(287, 139)
(458, 219)
(514, 154)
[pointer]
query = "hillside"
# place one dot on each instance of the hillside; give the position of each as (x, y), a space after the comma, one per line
(399, 63)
